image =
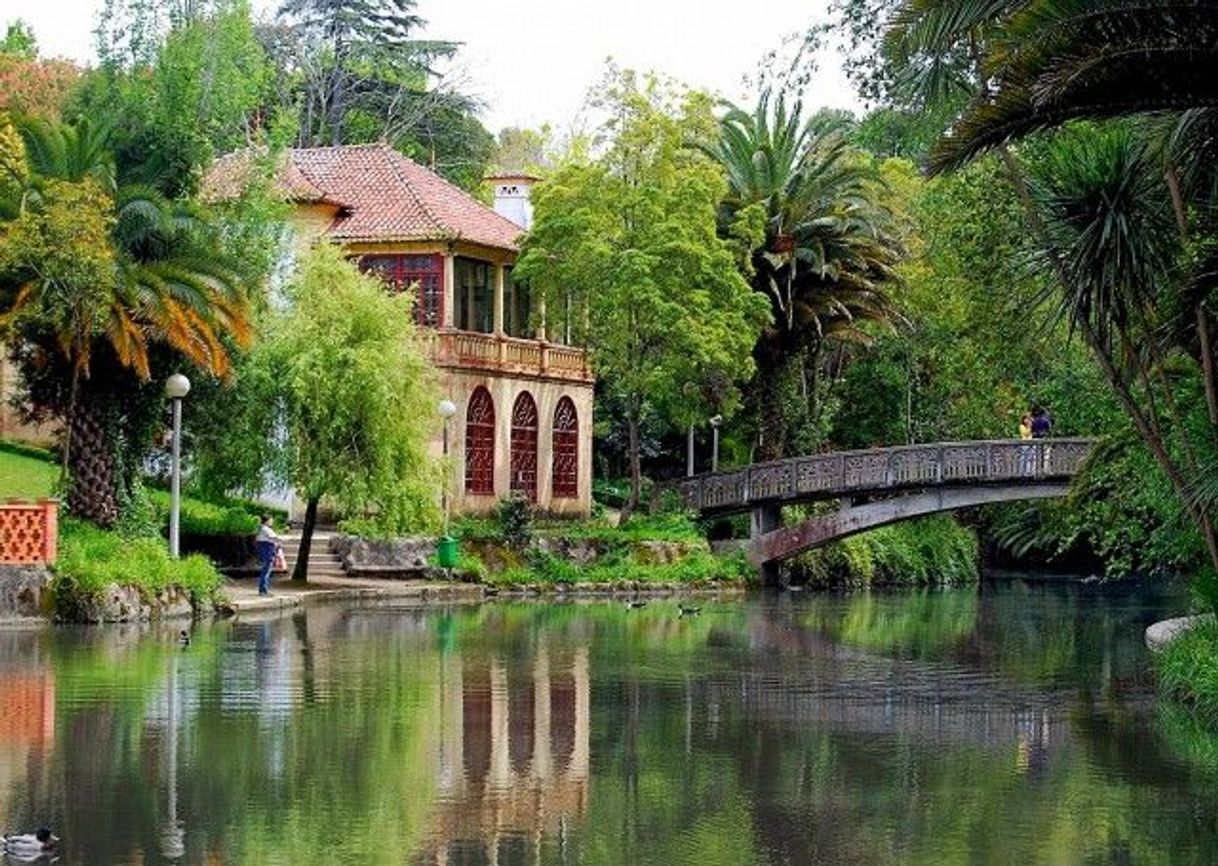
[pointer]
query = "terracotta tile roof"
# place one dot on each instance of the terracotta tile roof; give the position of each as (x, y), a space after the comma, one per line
(231, 174)
(383, 196)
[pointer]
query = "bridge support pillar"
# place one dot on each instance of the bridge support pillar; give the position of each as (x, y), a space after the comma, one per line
(766, 519)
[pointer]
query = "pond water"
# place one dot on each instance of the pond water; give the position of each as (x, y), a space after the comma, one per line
(1011, 724)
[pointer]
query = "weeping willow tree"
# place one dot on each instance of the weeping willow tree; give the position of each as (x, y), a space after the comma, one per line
(357, 397)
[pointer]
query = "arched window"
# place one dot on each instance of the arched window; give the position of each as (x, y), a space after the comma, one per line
(480, 444)
(524, 446)
(566, 450)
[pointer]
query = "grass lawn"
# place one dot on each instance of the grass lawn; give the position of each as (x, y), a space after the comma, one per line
(26, 477)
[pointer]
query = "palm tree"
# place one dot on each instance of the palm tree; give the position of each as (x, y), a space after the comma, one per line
(1029, 65)
(167, 284)
(826, 251)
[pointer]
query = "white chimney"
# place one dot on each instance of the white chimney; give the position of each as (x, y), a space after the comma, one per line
(512, 197)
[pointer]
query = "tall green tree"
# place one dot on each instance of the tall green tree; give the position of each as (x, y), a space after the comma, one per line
(825, 252)
(1047, 62)
(357, 397)
(200, 85)
(359, 50)
(628, 241)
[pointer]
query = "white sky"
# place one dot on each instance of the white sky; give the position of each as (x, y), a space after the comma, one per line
(532, 61)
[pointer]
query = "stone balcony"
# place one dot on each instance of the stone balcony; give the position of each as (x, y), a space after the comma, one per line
(510, 356)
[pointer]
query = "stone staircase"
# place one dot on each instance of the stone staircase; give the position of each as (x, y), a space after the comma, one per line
(322, 561)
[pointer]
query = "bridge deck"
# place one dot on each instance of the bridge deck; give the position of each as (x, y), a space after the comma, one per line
(906, 467)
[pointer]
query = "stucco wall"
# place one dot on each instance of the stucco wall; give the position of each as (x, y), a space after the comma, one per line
(459, 385)
(11, 425)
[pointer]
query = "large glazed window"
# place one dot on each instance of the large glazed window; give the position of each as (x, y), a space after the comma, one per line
(524, 446)
(566, 450)
(475, 297)
(425, 272)
(517, 309)
(480, 444)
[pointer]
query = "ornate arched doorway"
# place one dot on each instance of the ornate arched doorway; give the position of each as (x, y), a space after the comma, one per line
(565, 467)
(480, 444)
(524, 446)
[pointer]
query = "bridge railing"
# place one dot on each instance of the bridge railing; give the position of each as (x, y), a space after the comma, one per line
(907, 466)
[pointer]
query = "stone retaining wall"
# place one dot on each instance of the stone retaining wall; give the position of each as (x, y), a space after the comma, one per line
(124, 604)
(405, 558)
(24, 591)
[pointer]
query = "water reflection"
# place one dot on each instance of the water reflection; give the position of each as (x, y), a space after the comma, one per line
(513, 758)
(1008, 725)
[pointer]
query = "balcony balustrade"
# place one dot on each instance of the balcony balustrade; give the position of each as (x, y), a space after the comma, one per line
(498, 353)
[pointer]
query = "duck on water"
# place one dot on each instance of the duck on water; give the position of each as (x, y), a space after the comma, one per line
(30, 846)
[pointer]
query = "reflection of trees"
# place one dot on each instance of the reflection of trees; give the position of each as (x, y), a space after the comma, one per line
(790, 778)
(918, 623)
(588, 734)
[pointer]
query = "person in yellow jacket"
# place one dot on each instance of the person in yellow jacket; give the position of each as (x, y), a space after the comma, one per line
(1025, 451)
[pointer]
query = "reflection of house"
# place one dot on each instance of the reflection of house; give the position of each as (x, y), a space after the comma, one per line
(27, 712)
(27, 718)
(513, 761)
(524, 420)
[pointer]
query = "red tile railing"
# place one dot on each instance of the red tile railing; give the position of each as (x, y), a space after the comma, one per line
(29, 532)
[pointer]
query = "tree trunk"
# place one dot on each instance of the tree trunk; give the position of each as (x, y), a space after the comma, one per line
(93, 490)
(1207, 364)
(770, 405)
(636, 467)
(301, 571)
(338, 97)
(65, 467)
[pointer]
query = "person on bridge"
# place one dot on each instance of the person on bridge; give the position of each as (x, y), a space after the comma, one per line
(1025, 451)
(1042, 424)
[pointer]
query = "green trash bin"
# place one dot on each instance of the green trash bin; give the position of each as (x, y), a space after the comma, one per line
(446, 552)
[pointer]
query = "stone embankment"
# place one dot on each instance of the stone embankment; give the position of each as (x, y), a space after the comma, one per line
(24, 591)
(348, 569)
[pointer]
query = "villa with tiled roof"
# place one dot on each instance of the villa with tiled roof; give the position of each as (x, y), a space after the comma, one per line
(524, 401)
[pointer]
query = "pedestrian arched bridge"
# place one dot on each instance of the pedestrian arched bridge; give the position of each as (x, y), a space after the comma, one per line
(880, 486)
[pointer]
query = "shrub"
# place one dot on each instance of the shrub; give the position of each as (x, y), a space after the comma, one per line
(515, 516)
(1188, 671)
(699, 567)
(673, 526)
(468, 528)
(469, 565)
(34, 452)
(931, 551)
(91, 559)
(227, 517)
(611, 492)
(139, 516)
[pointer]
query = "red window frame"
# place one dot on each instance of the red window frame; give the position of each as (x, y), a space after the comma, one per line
(524, 446)
(402, 270)
(565, 466)
(480, 443)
